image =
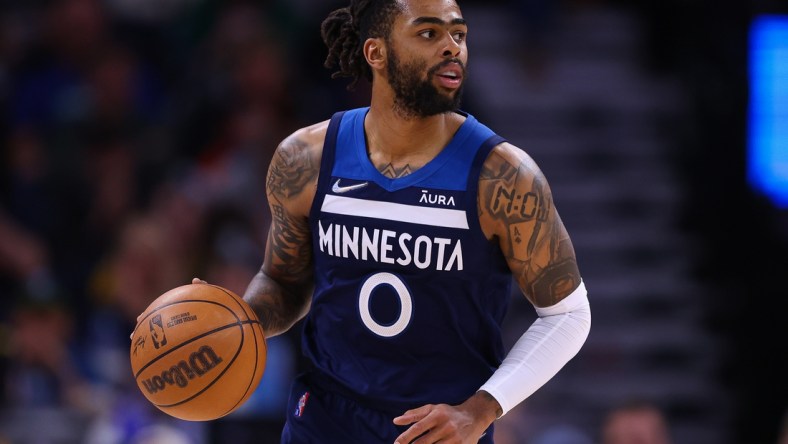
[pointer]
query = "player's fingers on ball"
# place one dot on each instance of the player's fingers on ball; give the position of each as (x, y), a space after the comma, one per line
(198, 281)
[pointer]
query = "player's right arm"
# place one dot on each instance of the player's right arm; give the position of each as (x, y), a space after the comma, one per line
(280, 292)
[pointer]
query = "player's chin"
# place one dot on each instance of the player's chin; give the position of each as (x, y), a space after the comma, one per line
(450, 93)
(449, 89)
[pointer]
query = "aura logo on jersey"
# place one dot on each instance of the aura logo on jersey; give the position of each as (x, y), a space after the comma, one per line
(436, 199)
(199, 363)
(390, 247)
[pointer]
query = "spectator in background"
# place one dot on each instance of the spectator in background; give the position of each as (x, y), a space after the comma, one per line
(78, 106)
(636, 422)
(43, 378)
(42, 369)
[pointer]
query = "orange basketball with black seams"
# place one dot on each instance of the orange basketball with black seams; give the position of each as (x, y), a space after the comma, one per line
(198, 352)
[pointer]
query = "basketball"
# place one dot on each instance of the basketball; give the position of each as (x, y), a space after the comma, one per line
(198, 352)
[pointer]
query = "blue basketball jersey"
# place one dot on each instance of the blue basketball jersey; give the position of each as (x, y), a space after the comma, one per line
(409, 294)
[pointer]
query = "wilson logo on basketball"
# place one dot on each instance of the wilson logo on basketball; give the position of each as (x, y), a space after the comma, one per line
(199, 363)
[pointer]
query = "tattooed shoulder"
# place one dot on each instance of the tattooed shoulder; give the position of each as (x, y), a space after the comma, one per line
(516, 206)
(295, 164)
(504, 161)
(291, 186)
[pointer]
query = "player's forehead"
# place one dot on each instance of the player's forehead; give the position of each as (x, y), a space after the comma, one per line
(413, 11)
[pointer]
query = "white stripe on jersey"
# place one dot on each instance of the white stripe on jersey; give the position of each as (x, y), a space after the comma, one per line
(437, 217)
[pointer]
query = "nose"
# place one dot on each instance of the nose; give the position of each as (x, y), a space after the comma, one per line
(452, 47)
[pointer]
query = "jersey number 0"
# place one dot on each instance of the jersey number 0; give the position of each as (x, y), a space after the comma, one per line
(406, 304)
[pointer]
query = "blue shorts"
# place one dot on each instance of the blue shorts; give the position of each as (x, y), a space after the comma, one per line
(319, 416)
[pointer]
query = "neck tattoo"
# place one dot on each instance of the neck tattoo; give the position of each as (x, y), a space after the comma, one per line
(393, 172)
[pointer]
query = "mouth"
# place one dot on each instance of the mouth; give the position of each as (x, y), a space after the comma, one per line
(450, 75)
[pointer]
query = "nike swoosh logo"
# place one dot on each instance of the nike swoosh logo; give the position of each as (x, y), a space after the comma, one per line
(339, 190)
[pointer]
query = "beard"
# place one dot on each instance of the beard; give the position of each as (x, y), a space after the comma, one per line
(415, 97)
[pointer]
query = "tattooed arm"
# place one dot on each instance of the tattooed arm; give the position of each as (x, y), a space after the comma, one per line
(281, 290)
(516, 208)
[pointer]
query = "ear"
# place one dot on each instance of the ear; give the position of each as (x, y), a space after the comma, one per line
(375, 53)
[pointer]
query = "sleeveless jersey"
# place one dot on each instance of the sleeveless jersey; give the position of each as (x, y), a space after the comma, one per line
(409, 294)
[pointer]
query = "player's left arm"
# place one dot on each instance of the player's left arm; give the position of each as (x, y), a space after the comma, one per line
(516, 210)
(516, 207)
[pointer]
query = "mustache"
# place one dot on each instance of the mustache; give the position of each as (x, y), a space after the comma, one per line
(445, 63)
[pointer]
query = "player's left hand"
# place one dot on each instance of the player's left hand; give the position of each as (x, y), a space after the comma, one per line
(460, 424)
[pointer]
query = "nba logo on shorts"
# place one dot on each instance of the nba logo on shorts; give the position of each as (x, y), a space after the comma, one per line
(301, 405)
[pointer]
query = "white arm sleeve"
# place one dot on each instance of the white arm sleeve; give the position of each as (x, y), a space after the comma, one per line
(548, 344)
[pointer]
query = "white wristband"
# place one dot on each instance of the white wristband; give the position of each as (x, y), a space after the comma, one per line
(548, 344)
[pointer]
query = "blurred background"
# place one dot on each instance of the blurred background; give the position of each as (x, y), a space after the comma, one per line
(136, 135)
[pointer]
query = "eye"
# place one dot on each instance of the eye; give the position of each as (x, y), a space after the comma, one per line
(459, 36)
(427, 34)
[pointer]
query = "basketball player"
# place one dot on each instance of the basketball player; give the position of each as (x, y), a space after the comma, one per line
(396, 231)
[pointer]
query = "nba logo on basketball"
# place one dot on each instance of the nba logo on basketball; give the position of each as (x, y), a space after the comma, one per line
(301, 405)
(157, 332)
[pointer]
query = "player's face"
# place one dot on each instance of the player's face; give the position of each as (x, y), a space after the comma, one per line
(427, 57)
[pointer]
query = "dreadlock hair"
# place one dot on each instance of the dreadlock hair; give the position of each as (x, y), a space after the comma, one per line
(346, 29)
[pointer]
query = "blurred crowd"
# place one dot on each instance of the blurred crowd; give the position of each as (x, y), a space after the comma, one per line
(136, 136)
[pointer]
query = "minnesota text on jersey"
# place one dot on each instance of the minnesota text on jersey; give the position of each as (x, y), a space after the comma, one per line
(390, 247)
